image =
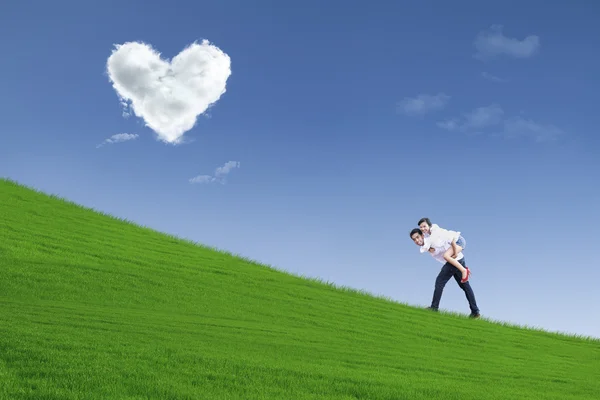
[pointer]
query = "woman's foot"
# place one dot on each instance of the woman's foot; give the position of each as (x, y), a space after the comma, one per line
(465, 276)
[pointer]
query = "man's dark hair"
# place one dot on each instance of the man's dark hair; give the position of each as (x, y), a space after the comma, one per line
(424, 220)
(416, 230)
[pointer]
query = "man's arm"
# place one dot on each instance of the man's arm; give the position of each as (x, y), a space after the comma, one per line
(444, 236)
(425, 246)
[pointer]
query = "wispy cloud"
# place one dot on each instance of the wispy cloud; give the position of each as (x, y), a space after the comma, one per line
(493, 78)
(492, 118)
(226, 168)
(521, 127)
(479, 118)
(202, 179)
(126, 112)
(449, 124)
(168, 96)
(118, 138)
(220, 174)
(423, 104)
(491, 43)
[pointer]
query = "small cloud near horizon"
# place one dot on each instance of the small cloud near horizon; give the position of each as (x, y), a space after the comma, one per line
(482, 118)
(478, 118)
(168, 95)
(493, 78)
(219, 176)
(119, 138)
(492, 43)
(519, 127)
(423, 104)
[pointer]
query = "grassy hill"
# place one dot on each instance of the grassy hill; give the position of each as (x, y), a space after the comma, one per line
(92, 307)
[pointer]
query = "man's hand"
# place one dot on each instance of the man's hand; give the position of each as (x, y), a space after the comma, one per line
(455, 253)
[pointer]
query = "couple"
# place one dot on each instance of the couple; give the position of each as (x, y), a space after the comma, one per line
(446, 247)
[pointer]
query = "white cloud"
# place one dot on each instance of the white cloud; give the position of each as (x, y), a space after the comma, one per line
(450, 124)
(493, 78)
(118, 138)
(126, 113)
(226, 168)
(519, 126)
(220, 174)
(483, 117)
(168, 96)
(423, 103)
(493, 116)
(491, 43)
(202, 179)
(479, 118)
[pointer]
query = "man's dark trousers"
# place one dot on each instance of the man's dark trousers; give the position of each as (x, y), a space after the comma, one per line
(448, 271)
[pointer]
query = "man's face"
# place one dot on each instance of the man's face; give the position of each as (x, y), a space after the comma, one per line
(424, 227)
(418, 239)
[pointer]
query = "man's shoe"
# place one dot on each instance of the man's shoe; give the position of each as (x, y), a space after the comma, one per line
(475, 315)
(432, 309)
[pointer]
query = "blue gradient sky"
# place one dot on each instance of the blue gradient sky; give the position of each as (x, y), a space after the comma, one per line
(332, 174)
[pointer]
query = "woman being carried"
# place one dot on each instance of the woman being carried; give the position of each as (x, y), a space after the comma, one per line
(434, 236)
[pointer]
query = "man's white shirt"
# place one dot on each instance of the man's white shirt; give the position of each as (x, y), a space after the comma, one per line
(438, 254)
(438, 237)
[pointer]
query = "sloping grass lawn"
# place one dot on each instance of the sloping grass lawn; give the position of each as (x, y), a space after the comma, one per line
(92, 307)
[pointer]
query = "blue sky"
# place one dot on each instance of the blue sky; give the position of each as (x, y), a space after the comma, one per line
(334, 156)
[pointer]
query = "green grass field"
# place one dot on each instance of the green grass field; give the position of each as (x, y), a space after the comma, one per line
(92, 307)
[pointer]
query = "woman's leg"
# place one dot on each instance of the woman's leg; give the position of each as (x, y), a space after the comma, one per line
(448, 256)
(460, 245)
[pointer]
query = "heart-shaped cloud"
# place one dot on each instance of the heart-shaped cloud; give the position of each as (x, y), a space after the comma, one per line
(168, 96)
